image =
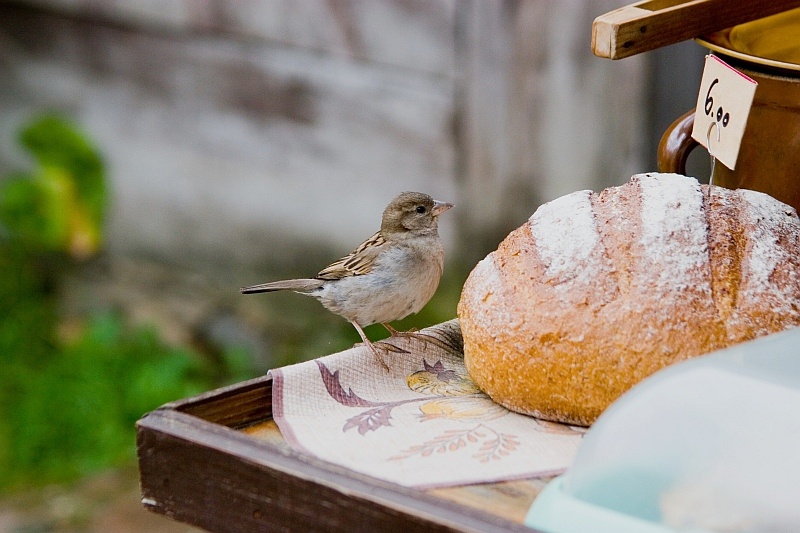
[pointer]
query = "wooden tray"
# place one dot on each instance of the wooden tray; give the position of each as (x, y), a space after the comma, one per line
(219, 462)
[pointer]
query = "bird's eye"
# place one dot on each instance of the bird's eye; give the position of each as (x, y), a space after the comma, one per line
(420, 209)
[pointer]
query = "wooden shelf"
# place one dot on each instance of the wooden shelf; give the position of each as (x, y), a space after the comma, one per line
(218, 461)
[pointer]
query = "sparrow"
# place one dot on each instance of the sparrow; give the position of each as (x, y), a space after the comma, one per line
(389, 276)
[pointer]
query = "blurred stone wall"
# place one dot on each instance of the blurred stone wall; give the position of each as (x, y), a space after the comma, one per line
(265, 133)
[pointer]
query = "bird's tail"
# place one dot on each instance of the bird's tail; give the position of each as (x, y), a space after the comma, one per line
(298, 285)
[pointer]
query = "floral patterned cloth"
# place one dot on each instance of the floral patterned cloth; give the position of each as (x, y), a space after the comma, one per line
(422, 424)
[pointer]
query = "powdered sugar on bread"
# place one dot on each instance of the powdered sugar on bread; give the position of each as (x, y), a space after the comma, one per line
(770, 256)
(674, 231)
(768, 218)
(488, 289)
(565, 235)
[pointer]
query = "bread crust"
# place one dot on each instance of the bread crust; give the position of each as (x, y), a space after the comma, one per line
(598, 291)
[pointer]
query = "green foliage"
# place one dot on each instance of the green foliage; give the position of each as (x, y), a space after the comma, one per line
(56, 144)
(73, 411)
(60, 205)
(68, 408)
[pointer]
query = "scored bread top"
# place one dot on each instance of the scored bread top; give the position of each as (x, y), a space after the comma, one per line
(597, 291)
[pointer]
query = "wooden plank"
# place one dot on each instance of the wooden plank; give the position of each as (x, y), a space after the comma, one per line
(509, 499)
(223, 480)
(651, 24)
(236, 406)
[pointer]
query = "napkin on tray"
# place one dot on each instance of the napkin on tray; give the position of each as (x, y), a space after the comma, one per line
(423, 424)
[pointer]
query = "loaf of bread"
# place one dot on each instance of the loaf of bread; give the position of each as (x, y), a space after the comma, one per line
(597, 291)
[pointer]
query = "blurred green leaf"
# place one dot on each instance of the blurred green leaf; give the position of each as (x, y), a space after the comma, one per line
(60, 205)
(20, 209)
(56, 143)
(68, 408)
(74, 412)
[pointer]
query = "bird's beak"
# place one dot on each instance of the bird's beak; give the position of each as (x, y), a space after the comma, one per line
(440, 207)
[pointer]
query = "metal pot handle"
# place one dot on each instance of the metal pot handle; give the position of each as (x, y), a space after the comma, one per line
(676, 144)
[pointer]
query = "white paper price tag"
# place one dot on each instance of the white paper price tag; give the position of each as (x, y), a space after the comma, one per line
(723, 105)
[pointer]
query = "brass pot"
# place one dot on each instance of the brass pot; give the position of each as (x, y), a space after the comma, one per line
(767, 50)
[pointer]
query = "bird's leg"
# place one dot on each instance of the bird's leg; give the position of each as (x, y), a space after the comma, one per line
(394, 333)
(370, 346)
(414, 334)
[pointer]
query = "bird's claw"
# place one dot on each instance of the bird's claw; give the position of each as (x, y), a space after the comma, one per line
(389, 347)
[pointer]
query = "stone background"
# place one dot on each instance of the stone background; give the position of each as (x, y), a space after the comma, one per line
(263, 134)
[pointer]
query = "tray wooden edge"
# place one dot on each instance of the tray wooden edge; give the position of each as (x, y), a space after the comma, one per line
(195, 467)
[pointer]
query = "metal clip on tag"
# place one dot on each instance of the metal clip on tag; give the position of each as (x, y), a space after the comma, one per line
(711, 154)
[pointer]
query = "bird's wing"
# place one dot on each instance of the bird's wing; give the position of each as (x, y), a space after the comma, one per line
(359, 261)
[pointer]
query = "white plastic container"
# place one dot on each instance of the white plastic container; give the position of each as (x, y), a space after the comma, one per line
(711, 444)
